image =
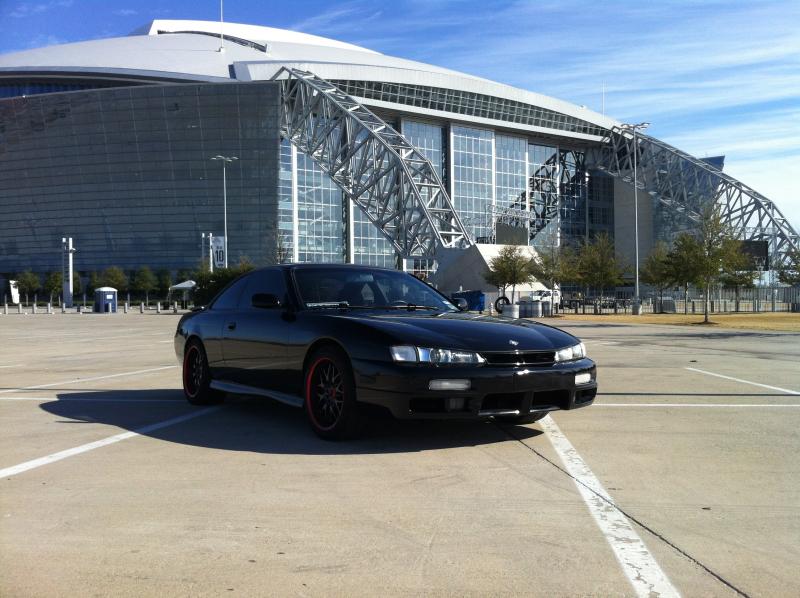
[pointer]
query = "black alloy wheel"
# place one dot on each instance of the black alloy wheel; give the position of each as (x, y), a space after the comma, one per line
(197, 376)
(330, 397)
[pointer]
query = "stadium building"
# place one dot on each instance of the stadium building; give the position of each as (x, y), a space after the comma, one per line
(342, 154)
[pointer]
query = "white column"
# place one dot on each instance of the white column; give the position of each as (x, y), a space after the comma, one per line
(295, 211)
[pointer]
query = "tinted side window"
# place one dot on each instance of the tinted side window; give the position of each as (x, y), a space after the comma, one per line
(230, 296)
(270, 282)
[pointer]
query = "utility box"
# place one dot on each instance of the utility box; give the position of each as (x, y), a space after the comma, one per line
(105, 300)
(476, 300)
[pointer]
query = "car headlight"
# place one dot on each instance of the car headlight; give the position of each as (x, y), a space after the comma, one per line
(411, 354)
(571, 353)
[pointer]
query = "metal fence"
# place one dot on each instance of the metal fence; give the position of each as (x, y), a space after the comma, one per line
(756, 300)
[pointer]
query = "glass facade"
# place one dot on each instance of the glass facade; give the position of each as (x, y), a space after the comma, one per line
(573, 193)
(510, 169)
(127, 172)
(468, 104)
(543, 183)
(319, 214)
(473, 177)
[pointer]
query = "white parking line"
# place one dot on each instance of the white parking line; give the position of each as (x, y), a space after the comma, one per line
(75, 380)
(786, 390)
(28, 465)
(640, 567)
(726, 405)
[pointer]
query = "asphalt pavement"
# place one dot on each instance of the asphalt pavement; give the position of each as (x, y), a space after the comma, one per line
(681, 479)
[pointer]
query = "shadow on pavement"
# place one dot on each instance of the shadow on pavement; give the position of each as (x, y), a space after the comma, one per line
(264, 426)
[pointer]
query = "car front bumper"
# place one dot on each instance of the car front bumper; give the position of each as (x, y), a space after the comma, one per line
(403, 389)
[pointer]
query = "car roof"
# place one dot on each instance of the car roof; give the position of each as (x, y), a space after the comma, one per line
(329, 266)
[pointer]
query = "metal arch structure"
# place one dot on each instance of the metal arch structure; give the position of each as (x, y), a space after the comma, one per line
(392, 182)
(686, 185)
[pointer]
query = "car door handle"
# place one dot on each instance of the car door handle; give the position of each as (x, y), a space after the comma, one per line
(231, 325)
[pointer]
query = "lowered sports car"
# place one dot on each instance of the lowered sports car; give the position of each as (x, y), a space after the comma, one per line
(336, 339)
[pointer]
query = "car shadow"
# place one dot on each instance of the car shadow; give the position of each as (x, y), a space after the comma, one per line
(263, 426)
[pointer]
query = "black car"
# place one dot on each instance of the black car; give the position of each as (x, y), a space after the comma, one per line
(336, 338)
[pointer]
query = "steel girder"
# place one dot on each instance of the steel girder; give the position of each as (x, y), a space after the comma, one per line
(685, 184)
(392, 182)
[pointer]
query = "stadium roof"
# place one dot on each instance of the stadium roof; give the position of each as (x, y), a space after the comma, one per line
(176, 50)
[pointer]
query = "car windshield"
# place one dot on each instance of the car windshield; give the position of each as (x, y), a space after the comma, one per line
(322, 288)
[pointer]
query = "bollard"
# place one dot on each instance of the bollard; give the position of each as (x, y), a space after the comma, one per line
(79, 309)
(34, 308)
(158, 307)
(63, 308)
(175, 307)
(125, 307)
(19, 308)
(141, 308)
(50, 308)
(5, 308)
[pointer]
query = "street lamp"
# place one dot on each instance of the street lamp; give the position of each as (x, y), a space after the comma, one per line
(225, 160)
(637, 302)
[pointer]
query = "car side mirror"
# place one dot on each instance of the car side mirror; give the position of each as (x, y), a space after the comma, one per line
(265, 301)
(461, 304)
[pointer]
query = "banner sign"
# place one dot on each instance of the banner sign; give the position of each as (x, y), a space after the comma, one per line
(218, 251)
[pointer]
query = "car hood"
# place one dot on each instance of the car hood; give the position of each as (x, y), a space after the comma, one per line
(465, 331)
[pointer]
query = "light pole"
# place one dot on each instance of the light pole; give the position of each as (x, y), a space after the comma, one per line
(225, 160)
(637, 301)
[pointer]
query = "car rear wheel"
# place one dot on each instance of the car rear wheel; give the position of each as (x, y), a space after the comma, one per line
(528, 418)
(197, 376)
(330, 396)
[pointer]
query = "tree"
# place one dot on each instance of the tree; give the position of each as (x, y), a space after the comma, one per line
(557, 265)
(790, 273)
(164, 277)
(210, 283)
(739, 269)
(28, 283)
(144, 281)
(656, 272)
(683, 264)
(509, 268)
(598, 264)
(53, 284)
(94, 281)
(719, 250)
(114, 277)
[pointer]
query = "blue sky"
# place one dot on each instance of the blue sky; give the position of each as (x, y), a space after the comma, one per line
(713, 77)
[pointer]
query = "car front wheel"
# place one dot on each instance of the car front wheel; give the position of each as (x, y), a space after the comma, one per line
(197, 376)
(330, 396)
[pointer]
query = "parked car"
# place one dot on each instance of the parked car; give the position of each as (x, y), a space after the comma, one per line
(333, 339)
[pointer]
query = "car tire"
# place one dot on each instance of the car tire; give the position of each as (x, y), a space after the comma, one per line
(500, 303)
(197, 376)
(330, 396)
(519, 420)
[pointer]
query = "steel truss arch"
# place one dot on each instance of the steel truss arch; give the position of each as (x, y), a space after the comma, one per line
(392, 182)
(686, 184)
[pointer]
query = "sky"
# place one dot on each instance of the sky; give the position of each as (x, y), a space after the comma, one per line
(712, 77)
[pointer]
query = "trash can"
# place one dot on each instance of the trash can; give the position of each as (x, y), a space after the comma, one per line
(105, 300)
(546, 308)
(536, 309)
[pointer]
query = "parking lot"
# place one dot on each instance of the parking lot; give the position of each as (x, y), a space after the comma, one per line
(682, 478)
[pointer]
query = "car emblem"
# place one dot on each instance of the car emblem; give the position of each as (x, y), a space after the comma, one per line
(515, 343)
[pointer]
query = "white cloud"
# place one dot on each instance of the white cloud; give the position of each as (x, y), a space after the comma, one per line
(29, 9)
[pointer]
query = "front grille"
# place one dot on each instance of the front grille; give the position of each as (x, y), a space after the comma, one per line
(514, 358)
(504, 401)
(550, 398)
